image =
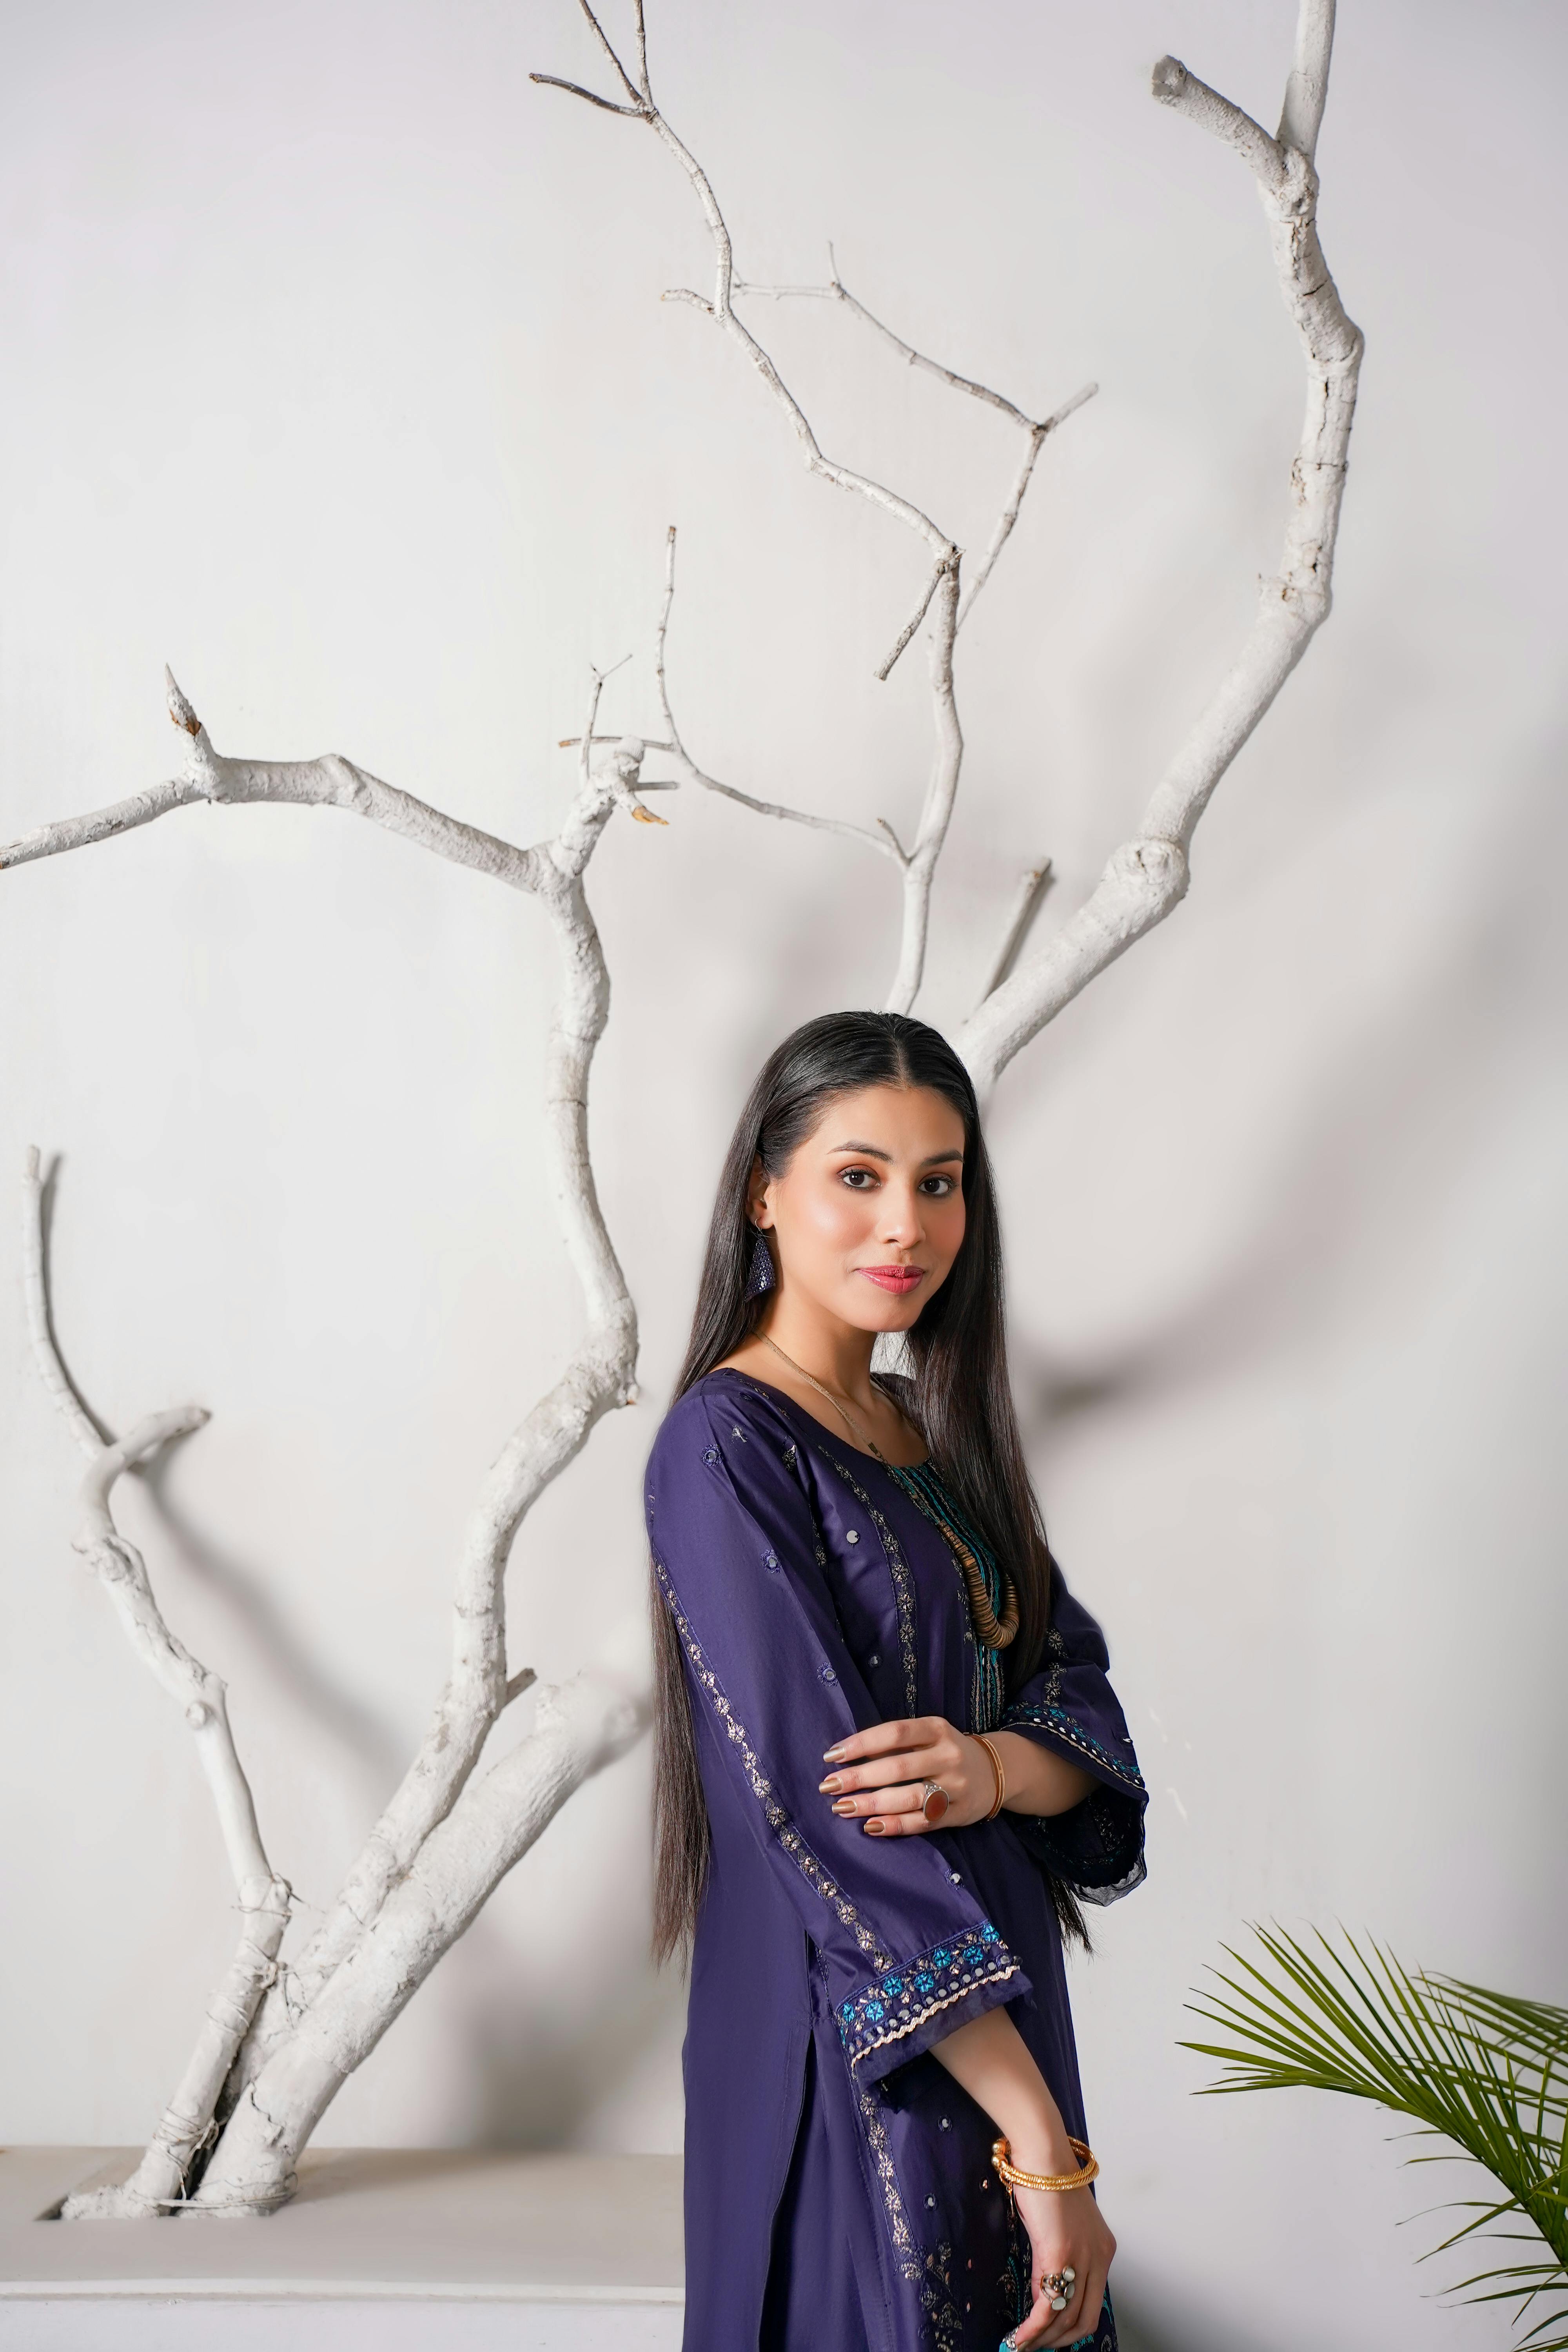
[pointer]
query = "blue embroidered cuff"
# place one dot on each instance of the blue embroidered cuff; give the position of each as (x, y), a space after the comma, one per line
(900, 2013)
(1064, 1732)
(1097, 1846)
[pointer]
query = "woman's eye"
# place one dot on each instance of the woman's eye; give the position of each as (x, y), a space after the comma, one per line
(857, 1179)
(939, 1187)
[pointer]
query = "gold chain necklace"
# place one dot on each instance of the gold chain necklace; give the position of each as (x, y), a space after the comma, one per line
(996, 1632)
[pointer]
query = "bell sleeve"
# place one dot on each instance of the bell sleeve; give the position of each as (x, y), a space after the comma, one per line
(909, 1955)
(1096, 1848)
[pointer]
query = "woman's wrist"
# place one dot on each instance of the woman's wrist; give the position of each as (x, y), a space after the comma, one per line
(1036, 2135)
(1039, 1781)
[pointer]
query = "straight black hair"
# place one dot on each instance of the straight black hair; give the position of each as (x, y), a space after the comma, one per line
(958, 1395)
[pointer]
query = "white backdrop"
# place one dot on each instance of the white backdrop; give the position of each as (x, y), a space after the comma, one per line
(334, 372)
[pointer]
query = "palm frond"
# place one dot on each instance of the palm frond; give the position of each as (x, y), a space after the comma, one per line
(1488, 2071)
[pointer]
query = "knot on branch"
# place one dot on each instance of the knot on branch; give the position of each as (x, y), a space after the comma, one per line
(110, 1557)
(1294, 193)
(621, 772)
(1153, 872)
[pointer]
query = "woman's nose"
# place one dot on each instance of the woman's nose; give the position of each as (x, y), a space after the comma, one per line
(901, 1220)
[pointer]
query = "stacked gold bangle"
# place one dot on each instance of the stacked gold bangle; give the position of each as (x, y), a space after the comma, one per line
(1061, 2181)
(996, 1768)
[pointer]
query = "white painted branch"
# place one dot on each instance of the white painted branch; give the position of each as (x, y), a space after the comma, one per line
(1147, 876)
(330, 782)
(908, 353)
(580, 1727)
(159, 2184)
(1033, 884)
(1306, 90)
(945, 566)
(1038, 434)
(159, 2179)
(696, 775)
(600, 1376)
(837, 291)
(721, 309)
(920, 864)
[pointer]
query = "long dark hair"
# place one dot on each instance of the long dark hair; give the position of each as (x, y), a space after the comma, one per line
(958, 1392)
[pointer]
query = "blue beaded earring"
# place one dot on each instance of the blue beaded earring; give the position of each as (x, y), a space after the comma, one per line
(759, 1276)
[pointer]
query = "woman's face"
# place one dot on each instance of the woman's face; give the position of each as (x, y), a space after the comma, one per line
(867, 1218)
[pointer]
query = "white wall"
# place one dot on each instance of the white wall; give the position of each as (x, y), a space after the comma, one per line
(334, 372)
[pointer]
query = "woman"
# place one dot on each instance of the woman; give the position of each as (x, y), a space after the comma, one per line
(889, 1761)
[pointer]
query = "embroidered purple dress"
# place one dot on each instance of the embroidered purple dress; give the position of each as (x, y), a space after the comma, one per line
(839, 2194)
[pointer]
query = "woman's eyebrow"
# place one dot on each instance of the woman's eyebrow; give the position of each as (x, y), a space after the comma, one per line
(874, 1151)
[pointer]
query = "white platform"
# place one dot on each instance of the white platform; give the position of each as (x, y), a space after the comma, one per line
(383, 2250)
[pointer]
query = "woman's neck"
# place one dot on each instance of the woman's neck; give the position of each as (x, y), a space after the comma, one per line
(833, 1353)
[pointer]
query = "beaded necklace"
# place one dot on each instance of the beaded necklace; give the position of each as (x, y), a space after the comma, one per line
(992, 1602)
(998, 1615)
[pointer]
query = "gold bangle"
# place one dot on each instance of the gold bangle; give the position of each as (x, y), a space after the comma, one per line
(1059, 2182)
(997, 1767)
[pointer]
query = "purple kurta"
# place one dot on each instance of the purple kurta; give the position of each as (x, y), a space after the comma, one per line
(840, 2193)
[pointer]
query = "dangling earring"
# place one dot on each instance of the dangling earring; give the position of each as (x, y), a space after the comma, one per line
(759, 1276)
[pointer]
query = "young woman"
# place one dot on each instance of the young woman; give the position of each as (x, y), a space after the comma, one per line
(889, 1761)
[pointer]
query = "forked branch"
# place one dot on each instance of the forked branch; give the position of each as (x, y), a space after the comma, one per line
(262, 1897)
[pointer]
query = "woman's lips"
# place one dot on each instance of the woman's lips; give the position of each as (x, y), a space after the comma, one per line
(899, 1279)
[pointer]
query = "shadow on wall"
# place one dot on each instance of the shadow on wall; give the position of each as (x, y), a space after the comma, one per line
(321, 1695)
(1380, 1147)
(1152, 2318)
(538, 2077)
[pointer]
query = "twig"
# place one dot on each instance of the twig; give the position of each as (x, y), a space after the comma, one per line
(1009, 515)
(553, 82)
(1027, 900)
(945, 566)
(696, 775)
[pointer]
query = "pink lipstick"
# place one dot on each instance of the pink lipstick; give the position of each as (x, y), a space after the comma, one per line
(899, 1279)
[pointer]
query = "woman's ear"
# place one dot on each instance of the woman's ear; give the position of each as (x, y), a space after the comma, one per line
(757, 1188)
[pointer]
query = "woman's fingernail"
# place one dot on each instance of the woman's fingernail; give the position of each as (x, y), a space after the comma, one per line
(874, 1829)
(845, 1805)
(831, 1786)
(833, 1755)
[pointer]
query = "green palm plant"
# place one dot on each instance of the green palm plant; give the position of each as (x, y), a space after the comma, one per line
(1483, 2070)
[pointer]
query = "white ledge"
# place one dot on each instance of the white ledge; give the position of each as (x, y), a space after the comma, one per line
(540, 2253)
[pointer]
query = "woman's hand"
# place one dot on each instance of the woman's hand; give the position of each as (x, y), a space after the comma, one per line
(879, 1776)
(989, 2059)
(1066, 2233)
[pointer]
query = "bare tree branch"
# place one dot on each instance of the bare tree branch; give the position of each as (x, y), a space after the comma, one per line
(263, 1898)
(695, 775)
(636, 96)
(553, 82)
(1306, 90)
(917, 616)
(330, 782)
(1147, 877)
(1009, 514)
(1174, 86)
(837, 291)
(1027, 900)
(599, 1376)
